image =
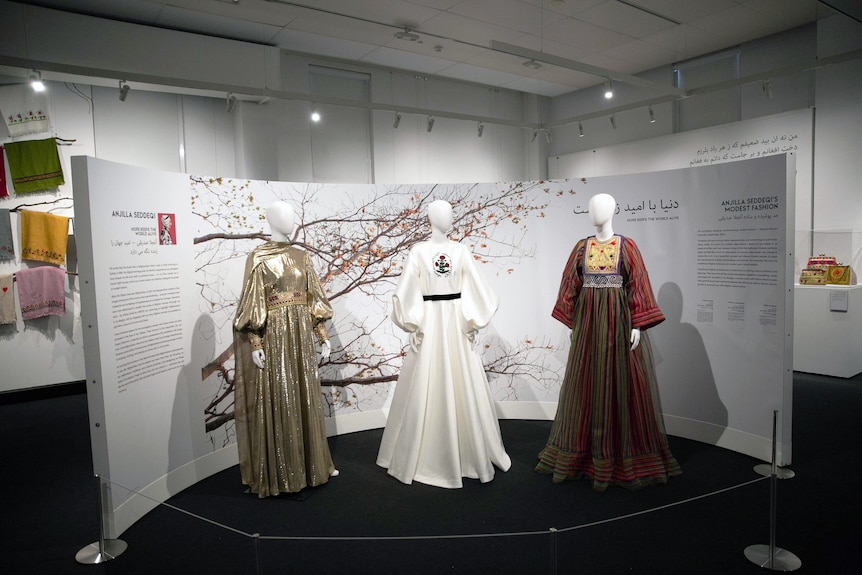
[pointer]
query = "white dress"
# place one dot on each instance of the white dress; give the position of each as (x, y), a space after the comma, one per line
(442, 424)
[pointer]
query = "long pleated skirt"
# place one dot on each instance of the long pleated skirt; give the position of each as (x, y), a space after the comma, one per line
(608, 426)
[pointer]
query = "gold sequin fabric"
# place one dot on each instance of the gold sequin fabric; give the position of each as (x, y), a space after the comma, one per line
(281, 436)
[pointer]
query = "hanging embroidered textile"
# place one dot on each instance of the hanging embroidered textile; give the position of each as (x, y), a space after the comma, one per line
(7, 300)
(24, 110)
(4, 193)
(41, 291)
(44, 237)
(7, 247)
(34, 165)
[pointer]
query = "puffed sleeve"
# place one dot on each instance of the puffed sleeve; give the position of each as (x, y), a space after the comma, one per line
(479, 303)
(408, 310)
(318, 304)
(645, 312)
(570, 286)
(251, 309)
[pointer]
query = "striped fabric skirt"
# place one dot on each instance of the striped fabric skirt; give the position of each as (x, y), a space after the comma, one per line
(608, 426)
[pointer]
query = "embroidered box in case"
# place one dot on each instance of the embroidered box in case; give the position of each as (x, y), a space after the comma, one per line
(821, 261)
(839, 275)
(816, 277)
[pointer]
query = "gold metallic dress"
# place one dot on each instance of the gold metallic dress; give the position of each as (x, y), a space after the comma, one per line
(279, 412)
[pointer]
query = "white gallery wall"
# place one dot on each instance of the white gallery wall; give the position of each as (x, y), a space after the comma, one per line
(274, 141)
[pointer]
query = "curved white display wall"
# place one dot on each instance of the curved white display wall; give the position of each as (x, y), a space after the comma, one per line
(161, 260)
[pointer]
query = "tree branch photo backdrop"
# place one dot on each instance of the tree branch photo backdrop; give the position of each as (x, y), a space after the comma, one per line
(359, 237)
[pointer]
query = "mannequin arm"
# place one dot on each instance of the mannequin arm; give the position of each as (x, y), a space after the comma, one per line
(635, 338)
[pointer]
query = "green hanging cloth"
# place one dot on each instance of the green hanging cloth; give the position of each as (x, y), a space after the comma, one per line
(34, 165)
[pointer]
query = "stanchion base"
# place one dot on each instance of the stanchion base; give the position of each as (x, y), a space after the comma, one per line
(765, 470)
(782, 559)
(91, 555)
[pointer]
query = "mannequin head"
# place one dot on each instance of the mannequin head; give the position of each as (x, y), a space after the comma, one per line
(602, 207)
(281, 219)
(440, 216)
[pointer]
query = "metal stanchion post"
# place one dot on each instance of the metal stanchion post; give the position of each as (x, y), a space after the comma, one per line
(256, 537)
(770, 556)
(104, 549)
(769, 469)
(553, 548)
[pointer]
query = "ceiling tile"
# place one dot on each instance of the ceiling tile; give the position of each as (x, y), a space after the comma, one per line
(394, 12)
(551, 47)
(502, 62)
(479, 74)
(736, 25)
(683, 42)
(573, 32)
(214, 25)
(467, 30)
(602, 60)
(406, 60)
(438, 4)
(271, 13)
(541, 87)
(437, 48)
(514, 65)
(685, 10)
(624, 19)
(571, 7)
(138, 11)
(335, 26)
(646, 56)
(790, 12)
(309, 43)
(512, 14)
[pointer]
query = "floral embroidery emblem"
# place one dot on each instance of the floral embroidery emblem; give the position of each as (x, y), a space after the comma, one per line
(441, 264)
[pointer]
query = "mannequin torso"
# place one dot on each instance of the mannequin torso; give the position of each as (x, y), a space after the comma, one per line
(282, 219)
(602, 207)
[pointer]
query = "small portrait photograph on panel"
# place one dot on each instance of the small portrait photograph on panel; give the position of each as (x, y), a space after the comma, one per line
(167, 229)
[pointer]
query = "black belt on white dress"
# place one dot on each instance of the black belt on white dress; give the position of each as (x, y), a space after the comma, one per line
(440, 297)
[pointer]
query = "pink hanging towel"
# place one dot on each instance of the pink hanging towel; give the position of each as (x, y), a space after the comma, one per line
(41, 291)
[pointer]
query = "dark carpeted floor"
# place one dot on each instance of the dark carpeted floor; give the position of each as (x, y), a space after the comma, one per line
(366, 522)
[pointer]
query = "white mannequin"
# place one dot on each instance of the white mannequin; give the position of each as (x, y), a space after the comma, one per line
(602, 208)
(440, 217)
(281, 219)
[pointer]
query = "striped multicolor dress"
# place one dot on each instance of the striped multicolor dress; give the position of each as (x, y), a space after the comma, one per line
(608, 425)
